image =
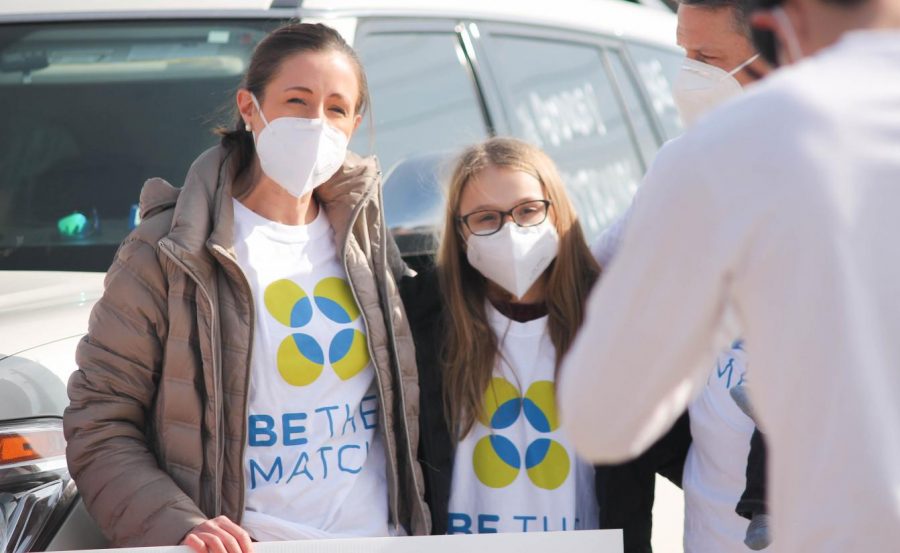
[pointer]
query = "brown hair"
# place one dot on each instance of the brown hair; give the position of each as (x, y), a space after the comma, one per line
(265, 63)
(472, 349)
(741, 11)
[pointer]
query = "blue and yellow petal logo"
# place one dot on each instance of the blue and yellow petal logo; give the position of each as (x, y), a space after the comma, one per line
(540, 406)
(288, 303)
(496, 461)
(349, 353)
(502, 404)
(335, 300)
(547, 463)
(300, 357)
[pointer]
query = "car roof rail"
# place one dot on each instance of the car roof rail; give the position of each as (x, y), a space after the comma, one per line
(281, 4)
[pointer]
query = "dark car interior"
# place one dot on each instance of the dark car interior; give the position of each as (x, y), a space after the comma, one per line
(71, 178)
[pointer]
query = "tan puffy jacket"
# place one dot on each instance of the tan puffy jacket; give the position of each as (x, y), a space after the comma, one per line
(156, 427)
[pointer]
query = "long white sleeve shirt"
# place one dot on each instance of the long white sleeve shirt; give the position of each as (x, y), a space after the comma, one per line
(716, 465)
(782, 209)
(607, 244)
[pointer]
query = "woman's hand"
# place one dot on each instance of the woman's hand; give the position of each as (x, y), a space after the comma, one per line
(218, 535)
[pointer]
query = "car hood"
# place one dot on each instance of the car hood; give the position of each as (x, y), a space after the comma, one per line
(42, 317)
(37, 308)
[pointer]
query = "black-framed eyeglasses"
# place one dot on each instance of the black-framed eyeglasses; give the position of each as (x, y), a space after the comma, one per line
(485, 222)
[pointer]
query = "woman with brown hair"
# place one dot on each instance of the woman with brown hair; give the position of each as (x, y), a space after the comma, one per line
(248, 373)
(491, 323)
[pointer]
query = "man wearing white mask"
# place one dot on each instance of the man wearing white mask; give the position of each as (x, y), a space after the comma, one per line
(719, 60)
(796, 249)
(720, 57)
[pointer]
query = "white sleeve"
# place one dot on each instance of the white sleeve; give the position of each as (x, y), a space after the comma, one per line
(607, 244)
(647, 342)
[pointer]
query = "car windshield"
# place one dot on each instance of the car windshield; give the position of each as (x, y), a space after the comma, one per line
(92, 111)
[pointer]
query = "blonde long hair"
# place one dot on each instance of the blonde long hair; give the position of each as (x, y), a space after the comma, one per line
(471, 349)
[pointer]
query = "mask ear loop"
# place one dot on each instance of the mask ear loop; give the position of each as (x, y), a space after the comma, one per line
(737, 69)
(259, 109)
(790, 35)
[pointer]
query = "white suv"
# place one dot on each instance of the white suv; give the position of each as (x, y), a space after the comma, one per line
(95, 102)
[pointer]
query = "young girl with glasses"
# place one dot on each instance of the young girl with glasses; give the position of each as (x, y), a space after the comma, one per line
(491, 321)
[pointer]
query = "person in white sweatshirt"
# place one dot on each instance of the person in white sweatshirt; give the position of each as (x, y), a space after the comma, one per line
(773, 219)
(721, 471)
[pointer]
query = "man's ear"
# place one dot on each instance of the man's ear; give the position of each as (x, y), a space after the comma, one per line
(789, 41)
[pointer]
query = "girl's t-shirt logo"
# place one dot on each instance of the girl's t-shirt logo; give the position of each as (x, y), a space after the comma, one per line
(496, 459)
(300, 357)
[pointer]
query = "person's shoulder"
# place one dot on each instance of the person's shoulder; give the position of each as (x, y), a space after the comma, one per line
(774, 123)
(157, 206)
(674, 162)
(140, 250)
(351, 181)
(423, 285)
(159, 198)
(787, 103)
(422, 298)
(672, 150)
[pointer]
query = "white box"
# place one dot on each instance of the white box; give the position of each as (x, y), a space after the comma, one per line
(582, 541)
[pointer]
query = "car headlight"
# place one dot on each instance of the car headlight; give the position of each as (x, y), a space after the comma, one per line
(36, 490)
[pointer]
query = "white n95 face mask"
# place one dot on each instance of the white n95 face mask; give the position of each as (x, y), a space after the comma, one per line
(514, 257)
(299, 154)
(700, 87)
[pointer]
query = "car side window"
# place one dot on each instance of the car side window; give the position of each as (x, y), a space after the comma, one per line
(657, 69)
(631, 95)
(560, 97)
(423, 97)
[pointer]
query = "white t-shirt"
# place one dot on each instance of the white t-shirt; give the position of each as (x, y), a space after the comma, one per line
(715, 470)
(314, 463)
(516, 470)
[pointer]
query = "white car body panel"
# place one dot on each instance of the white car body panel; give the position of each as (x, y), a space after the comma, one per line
(37, 308)
(43, 315)
(610, 17)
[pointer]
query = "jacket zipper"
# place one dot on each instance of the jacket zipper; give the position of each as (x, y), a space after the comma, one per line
(392, 457)
(217, 506)
(396, 356)
(242, 494)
